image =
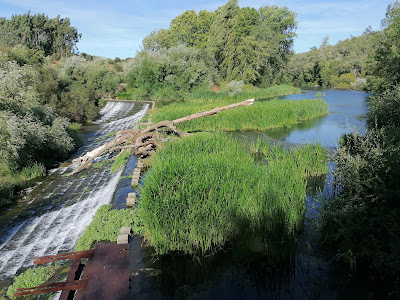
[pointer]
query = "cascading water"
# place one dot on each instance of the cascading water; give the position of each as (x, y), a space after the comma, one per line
(51, 218)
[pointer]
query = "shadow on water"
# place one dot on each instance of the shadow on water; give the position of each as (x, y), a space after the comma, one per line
(312, 272)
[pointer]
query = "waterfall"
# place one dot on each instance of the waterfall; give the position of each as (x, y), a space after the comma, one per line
(60, 208)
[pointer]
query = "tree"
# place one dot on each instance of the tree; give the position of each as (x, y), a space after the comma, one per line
(170, 73)
(52, 36)
(386, 63)
(223, 39)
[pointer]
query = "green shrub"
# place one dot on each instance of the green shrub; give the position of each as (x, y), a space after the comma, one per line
(384, 109)
(363, 217)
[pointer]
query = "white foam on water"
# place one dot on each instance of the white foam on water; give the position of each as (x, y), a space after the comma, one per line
(58, 230)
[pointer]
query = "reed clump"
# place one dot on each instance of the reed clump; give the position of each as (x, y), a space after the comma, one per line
(251, 93)
(12, 180)
(208, 191)
(261, 115)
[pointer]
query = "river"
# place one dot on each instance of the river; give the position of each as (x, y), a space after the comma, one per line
(312, 274)
(51, 218)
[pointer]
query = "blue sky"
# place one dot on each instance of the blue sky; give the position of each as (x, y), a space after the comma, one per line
(116, 28)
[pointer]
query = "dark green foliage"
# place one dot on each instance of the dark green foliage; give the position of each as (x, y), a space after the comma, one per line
(30, 133)
(170, 73)
(386, 61)
(384, 109)
(51, 36)
(106, 224)
(248, 44)
(343, 65)
(78, 103)
(362, 220)
(74, 85)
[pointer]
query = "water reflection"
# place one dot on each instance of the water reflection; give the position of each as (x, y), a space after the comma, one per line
(347, 110)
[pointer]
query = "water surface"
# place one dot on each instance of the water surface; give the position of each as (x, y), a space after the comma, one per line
(55, 212)
(347, 111)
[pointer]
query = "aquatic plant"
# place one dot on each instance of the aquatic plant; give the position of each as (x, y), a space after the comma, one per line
(30, 278)
(207, 191)
(106, 224)
(120, 160)
(261, 115)
(255, 93)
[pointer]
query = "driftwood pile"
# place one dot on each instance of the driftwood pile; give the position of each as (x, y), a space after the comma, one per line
(146, 141)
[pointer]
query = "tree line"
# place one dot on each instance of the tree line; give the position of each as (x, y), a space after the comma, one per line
(346, 65)
(229, 44)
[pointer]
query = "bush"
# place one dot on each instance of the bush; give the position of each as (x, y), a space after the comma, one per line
(234, 87)
(384, 109)
(363, 218)
(169, 74)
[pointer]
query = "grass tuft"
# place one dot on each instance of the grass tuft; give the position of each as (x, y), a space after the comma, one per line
(208, 190)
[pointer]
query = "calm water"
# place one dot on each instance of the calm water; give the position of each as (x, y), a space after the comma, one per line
(347, 110)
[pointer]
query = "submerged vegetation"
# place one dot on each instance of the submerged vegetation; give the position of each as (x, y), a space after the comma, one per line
(208, 191)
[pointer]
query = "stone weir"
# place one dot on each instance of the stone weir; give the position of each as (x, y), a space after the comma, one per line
(50, 219)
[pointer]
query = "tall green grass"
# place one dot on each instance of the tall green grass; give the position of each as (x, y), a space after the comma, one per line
(259, 116)
(256, 93)
(209, 190)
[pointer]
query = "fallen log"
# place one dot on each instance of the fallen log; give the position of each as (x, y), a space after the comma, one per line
(145, 141)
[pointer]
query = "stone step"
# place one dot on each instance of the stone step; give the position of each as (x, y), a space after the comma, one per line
(130, 202)
(135, 180)
(125, 230)
(122, 239)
